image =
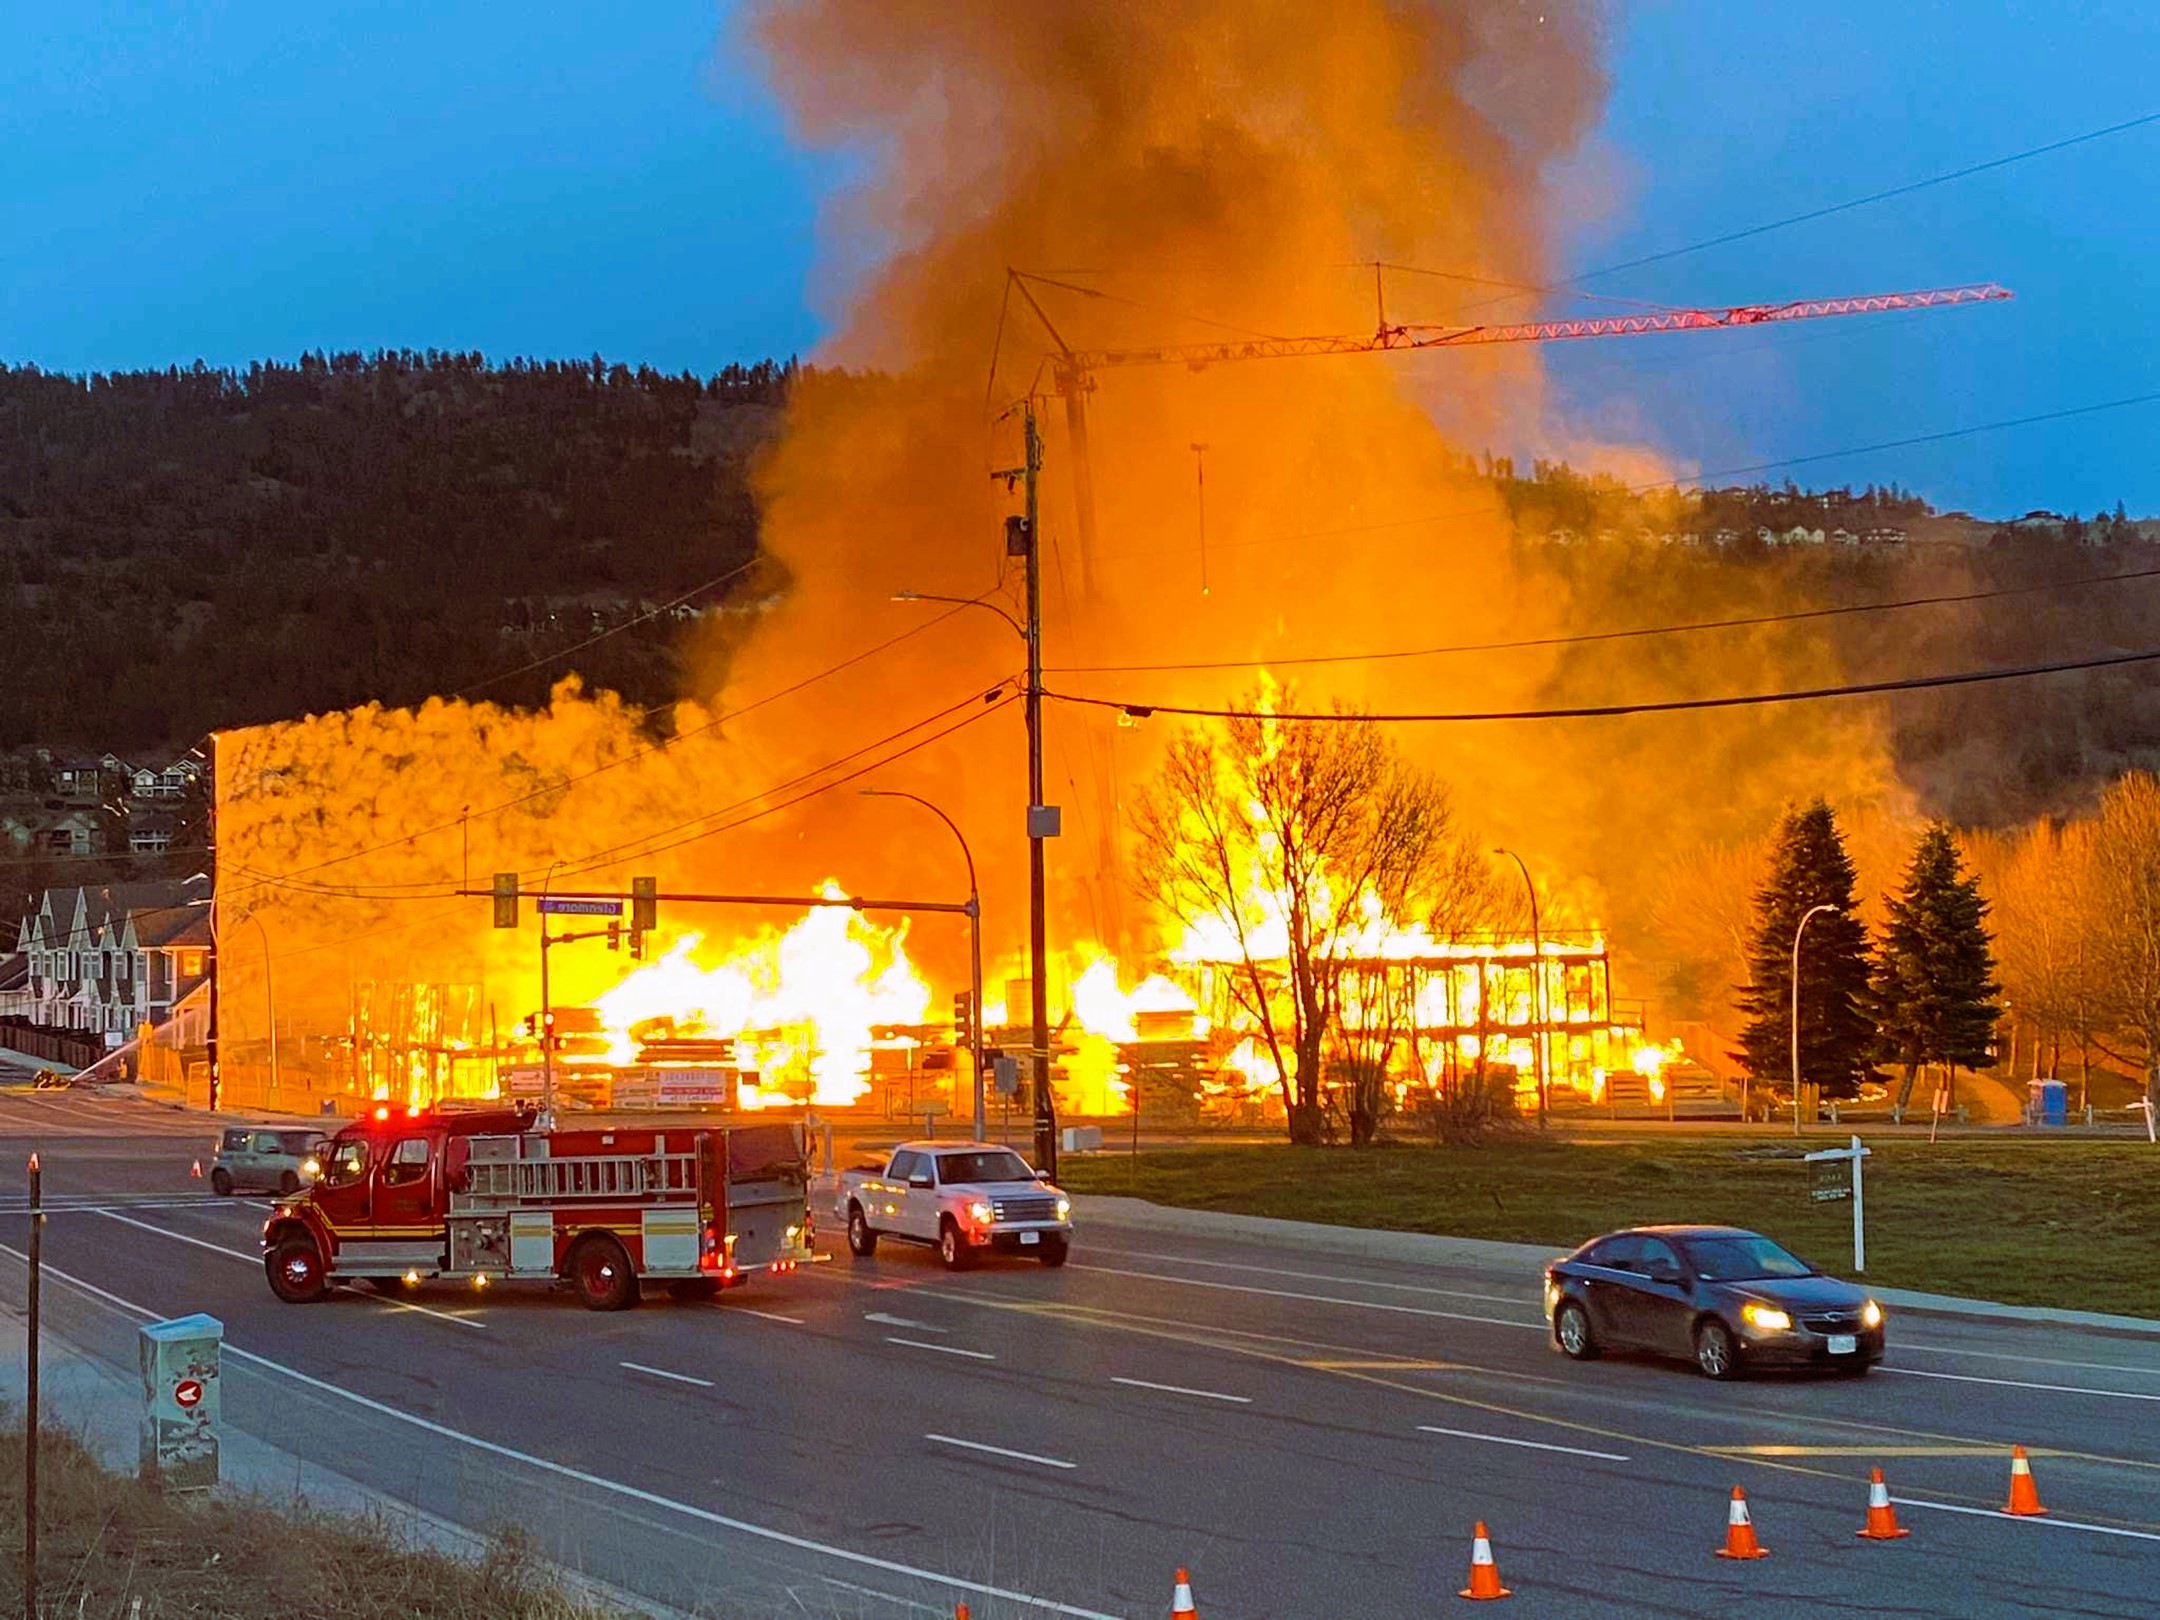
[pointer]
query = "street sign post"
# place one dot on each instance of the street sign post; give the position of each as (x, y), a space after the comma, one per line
(1834, 1176)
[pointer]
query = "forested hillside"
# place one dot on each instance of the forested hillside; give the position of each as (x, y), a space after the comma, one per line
(187, 549)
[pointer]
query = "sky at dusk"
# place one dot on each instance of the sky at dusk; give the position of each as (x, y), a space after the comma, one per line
(246, 179)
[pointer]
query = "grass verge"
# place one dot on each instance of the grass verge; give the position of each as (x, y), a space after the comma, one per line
(110, 1546)
(2074, 1225)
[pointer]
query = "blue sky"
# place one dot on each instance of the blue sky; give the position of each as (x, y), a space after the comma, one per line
(239, 179)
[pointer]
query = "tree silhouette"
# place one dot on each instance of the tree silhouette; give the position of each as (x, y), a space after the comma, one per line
(1935, 987)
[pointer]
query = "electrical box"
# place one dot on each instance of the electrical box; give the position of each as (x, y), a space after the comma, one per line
(1045, 821)
(180, 1402)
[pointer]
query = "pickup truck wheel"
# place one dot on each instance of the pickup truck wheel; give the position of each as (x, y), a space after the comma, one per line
(295, 1269)
(221, 1182)
(952, 1248)
(861, 1240)
(600, 1272)
(1055, 1249)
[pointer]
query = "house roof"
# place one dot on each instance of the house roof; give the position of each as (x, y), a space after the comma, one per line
(14, 973)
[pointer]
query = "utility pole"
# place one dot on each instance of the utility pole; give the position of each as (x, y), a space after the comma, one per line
(30, 1397)
(1799, 934)
(1042, 820)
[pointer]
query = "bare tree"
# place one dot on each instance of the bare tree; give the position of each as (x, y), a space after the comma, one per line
(1295, 845)
(2041, 883)
(2125, 920)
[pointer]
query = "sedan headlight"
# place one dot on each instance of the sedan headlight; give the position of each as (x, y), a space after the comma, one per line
(1871, 1314)
(1766, 1317)
(980, 1212)
(1064, 1209)
(313, 1167)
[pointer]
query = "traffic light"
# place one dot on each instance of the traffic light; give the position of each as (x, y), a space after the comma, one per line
(963, 1013)
(614, 934)
(644, 912)
(506, 899)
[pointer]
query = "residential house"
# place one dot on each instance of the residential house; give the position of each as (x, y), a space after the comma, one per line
(106, 959)
(31, 829)
(150, 832)
(169, 782)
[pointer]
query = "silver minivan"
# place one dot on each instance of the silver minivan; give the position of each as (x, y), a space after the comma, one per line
(266, 1159)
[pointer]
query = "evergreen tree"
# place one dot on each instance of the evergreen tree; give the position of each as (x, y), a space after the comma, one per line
(1808, 868)
(1935, 987)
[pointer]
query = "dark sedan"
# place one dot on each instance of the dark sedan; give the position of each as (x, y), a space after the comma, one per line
(1724, 1298)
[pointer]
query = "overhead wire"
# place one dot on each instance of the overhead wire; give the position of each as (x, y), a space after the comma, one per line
(1744, 621)
(1593, 711)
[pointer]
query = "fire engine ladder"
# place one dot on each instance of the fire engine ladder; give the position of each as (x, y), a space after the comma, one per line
(599, 1177)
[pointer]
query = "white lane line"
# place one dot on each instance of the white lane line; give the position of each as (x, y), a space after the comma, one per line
(2022, 1383)
(1180, 1389)
(1321, 1299)
(255, 1261)
(941, 1349)
(1904, 1345)
(882, 1597)
(886, 1320)
(770, 1316)
(662, 1372)
(1527, 1445)
(1000, 1451)
(1528, 1298)
(600, 1482)
(2023, 1518)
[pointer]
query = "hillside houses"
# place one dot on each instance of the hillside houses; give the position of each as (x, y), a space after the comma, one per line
(73, 803)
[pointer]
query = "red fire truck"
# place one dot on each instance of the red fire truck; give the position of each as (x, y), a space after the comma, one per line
(489, 1196)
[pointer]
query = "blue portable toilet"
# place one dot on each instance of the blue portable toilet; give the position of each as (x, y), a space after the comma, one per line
(2054, 1102)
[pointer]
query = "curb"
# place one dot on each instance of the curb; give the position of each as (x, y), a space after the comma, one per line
(1484, 1254)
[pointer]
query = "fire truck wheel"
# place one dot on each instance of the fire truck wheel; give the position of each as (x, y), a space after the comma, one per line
(1054, 1251)
(861, 1241)
(691, 1289)
(952, 1248)
(600, 1272)
(295, 1268)
(221, 1183)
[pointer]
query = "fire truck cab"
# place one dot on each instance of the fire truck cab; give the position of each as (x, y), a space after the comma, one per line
(489, 1196)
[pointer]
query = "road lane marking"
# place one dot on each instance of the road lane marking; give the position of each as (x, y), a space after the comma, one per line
(1321, 1299)
(600, 1482)
(1527, 1297)
(885, 1320)
(1180, 1389)
(941, 1349)
(770, 1316)
(1873, 1451)
(1000, 1451)
(2031, 1361)
(662, 1372)
(2022, 1383)
(2027, 1518)
(254, 1262)
(1398, 1364)
(1527, 1445)
(883, 1597)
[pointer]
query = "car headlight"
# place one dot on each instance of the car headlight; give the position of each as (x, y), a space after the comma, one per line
(1871, 1314)
(312, 1167)
(1766, 1317)
(1064, 1209)
(980, 1212)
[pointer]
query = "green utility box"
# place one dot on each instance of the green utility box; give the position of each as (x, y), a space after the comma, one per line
(180, 1402)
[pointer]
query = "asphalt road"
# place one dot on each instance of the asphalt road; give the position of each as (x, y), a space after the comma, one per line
(1309, 1433)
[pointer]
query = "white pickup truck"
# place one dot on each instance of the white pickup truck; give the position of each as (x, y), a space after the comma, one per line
(960, 1196)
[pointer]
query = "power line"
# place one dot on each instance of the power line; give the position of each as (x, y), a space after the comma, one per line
(1693, 479)
(1748, 620)
(1654, 706)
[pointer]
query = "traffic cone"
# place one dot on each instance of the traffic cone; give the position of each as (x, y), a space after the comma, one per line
(2024, 1495)
(1484, 1573)
(195, 1171)
(1740, 1539)
(1181, 1604)
(1882, 1522)
(959, 1611)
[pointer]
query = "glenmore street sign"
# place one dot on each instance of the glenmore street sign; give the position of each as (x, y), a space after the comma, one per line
(561, 905)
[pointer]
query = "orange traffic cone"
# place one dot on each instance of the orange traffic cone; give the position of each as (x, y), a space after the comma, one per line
(959, 1611)
(1740, 1539)
(1181, 1604)
(1484, 1573)
(1882, 1522)
(195, 1171)
(2024, 1495)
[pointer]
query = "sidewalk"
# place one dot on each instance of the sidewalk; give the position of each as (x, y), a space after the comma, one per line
(100, 1406)
(1515, 1262)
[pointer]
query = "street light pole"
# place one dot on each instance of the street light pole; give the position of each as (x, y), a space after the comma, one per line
(1039, 817)
(1798, 933)
(972, 1035)
(1537, 986)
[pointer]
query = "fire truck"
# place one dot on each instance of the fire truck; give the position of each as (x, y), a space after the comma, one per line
(490, 1196)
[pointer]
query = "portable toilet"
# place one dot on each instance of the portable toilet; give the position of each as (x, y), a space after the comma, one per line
(2054, 1102)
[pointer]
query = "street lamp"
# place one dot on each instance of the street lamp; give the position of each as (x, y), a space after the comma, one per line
(1537, 984)
(973, 1034)
(982, 602)
(1806, 917)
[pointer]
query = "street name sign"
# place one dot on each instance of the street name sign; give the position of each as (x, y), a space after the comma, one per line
(564, 905)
